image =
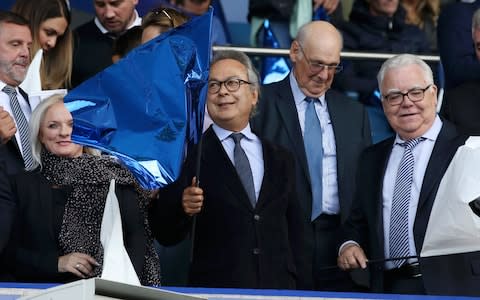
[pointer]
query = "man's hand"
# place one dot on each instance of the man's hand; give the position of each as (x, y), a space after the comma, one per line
(328, 5)
(7, 126)
(77, 263)
(192, 199)
(351, 257)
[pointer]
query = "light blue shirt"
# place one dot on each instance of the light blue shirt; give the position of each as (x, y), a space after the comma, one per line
(5, 103)
(330, 201)
(421, 154)
(252, 146)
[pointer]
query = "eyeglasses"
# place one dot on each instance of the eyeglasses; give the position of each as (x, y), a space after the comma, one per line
(232, 85)
(415, 95)
(316, 67)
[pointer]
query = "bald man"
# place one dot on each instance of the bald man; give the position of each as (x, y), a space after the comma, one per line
(325, 176)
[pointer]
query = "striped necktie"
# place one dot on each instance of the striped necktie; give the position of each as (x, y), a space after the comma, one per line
(243, 168)
(398, 237)
(22, 126)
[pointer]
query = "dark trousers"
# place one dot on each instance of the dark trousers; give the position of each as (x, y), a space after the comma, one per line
(405, 280)
(327, 242)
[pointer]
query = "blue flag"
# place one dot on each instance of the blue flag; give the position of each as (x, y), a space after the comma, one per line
(146, 108)
(273, 68)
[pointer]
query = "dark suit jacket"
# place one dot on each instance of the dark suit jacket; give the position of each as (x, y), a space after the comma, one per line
(461, 105)
(10, 152)
(236, 245)
(34, 249)
(7, 213)
(277, 121)
(365, 224)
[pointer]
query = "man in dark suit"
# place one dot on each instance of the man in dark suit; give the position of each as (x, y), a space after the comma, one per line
(93, 41)
(248, 231)
(15, 41)
(345, 132)
(398, 181)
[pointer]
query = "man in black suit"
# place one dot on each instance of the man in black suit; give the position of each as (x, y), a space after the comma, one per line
(345, 132)
(248, 231)
(15, 42)
(398, 181)
(93, 48)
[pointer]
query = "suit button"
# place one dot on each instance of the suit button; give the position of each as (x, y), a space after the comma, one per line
(256, 217)
(256, 251)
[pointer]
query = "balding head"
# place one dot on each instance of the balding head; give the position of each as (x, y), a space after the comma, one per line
(318, 43)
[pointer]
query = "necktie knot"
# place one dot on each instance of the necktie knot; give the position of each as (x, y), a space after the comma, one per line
(237, 136)
(410, 144)
(9, 90)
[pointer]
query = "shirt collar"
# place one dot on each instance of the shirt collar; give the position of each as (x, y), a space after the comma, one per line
(298, 95)
(431, 134)
(136, 22)
(224, 134)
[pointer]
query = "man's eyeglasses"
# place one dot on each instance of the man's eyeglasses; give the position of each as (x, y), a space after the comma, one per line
(232, 85)
(415, 95)
(316, 67)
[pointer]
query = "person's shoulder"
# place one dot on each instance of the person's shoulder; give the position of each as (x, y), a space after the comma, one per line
(87, 28)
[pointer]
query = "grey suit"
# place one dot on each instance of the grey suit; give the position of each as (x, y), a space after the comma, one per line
(277, 121)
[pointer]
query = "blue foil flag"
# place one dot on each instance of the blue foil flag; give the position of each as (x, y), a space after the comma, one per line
(147, 107)
(273, 68)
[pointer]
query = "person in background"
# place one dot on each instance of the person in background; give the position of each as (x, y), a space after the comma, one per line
(60, 204)
(424, 14)
(461, 104)
(93, 41)
(249, 232)
(50, 27)
(397, 182)
(15, 43)
(126, 42)
(160, 20)
(326, 132)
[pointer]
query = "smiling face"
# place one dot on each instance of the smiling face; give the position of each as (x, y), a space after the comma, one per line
(231, 110)
(50, 30)
(409, 119)
(15, 43)
(56, 132)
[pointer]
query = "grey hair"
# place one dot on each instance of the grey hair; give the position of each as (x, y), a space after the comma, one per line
(38, 115)
(476, 21)
(401, 61)
(242, 58)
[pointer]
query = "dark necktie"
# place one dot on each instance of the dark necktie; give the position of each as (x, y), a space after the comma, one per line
(243, 167)
(312, 139)
(398, 238)
(22, 125)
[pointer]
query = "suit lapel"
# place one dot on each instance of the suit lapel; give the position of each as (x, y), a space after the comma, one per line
(216, 160)
(288, 112)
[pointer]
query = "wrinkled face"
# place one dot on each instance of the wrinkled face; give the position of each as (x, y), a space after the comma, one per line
(194, 8)
(409, 119)
(314, 83)
(230, 109)
(56, 132)
(50, 31)
(15, 43)
(115, 15)
(383, 7)
(476, 42)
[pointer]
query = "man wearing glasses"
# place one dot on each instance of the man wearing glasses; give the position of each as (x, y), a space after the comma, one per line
(248, 231)
(398, 181)
(326, 132)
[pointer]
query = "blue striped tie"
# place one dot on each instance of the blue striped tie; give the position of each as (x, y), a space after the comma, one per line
(312, 139)
(398, 237)
(22, 125)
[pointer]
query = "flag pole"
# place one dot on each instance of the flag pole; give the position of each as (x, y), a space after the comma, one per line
(198, 159)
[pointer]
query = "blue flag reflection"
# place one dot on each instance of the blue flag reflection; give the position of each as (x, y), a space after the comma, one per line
(148, 106)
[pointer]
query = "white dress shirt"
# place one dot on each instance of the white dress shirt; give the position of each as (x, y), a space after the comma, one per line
(252, 146)
(5, 103)
(330, 201)
(421, 154)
